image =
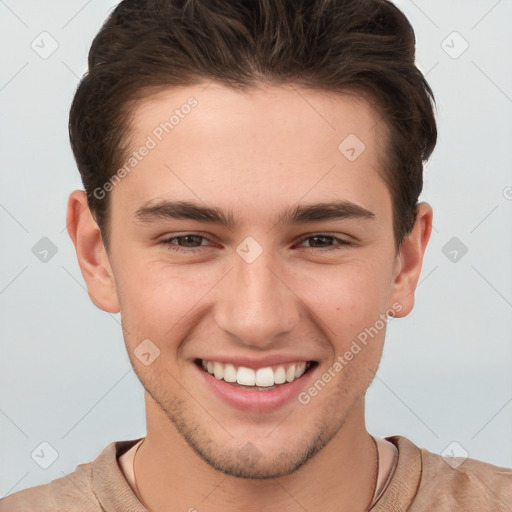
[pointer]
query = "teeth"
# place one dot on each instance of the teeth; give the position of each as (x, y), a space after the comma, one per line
(229, 373)
(262, 378)
(245, 376)
(265, 377)
(300, 369)
(218, 370)
(279, 375)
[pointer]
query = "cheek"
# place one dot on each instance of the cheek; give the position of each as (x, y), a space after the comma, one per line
(347, 298)
(155, 300)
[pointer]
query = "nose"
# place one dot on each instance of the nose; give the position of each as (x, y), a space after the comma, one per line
(257, 305)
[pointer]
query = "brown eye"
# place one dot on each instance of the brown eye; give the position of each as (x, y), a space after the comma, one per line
(320, 242)
(191, 241)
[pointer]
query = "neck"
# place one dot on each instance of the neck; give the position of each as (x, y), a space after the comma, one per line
(340, 477)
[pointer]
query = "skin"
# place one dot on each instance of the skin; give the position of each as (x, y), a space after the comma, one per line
(262, 150)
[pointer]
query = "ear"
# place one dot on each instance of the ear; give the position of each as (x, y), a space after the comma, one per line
(91, 253)
(410, 260)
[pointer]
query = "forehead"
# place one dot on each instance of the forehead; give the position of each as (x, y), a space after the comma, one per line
(268, 145)
(263, 110)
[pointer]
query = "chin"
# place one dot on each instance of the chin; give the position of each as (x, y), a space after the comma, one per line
(253, 457)
(249, 462)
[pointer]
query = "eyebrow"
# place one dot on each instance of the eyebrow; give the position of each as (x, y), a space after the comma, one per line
(301, 214)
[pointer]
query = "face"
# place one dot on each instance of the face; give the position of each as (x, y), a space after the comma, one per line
(267, 292)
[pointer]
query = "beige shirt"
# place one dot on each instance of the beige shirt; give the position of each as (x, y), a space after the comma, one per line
(421, 481)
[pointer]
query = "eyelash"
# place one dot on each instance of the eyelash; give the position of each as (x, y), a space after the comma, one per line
(177, 249)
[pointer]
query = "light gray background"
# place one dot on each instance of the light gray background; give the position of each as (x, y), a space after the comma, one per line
(445, 376)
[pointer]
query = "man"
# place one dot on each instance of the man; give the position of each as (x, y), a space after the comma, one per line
(252, 173)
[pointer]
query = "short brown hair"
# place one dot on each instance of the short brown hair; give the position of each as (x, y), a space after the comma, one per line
(366, 46)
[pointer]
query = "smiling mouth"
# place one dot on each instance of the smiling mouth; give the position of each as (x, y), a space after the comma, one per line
(261, 379)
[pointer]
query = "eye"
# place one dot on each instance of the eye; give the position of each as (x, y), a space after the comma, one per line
(190, 238)
(326, 236)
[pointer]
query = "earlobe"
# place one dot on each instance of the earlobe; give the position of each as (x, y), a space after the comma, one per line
(91, 253)
(411, 255)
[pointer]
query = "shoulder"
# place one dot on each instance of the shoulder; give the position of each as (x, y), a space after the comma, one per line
(73, 490)
(462, 484)
(79, 491)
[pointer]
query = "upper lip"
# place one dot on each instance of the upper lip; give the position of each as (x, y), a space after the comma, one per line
(261, 362)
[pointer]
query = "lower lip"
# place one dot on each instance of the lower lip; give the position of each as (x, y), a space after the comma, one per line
(254, 400)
